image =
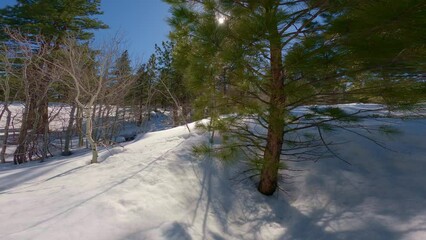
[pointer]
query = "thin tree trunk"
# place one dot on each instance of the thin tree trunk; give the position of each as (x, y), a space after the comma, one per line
(6, 92)
(97, 121)
(6, 134)
(148, 108)
(177, 106)
(124, 119)
(79, 126)
(89, 127)
(140, 114)
(20, 154)
(175, 116)
(37, 129)
(45, 146)
(68, 134)
(114, 123)
(103, 124)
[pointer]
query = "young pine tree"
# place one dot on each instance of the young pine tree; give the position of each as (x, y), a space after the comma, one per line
(278, 55)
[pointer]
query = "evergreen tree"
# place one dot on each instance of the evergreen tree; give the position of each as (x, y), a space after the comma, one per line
(138, 94)
(277, 55)
(121, 73)
(53, 19)
(142, 91)
(122, 65)
(171, 83)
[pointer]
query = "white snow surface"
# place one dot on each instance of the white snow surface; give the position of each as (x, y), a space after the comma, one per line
(155, 188)
(58, 115)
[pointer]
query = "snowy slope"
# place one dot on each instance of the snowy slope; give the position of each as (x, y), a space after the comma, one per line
(155, 188)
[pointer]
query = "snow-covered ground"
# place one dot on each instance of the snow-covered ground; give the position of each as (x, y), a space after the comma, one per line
(58, 115)
(155, 188)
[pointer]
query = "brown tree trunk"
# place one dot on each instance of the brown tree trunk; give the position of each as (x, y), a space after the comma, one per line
(140, 116)
(68, 135)
(271, 156)
(20, 155)
(6, 134)
(79, 126)
(38, 107)
(175, 116)
(35, 121)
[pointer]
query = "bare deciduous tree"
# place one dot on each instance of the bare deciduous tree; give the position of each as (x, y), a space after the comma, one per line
(29, 69)
(6, 89)
(87, 72)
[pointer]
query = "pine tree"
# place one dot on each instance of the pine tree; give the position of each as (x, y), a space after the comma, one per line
(277, 55)
(138, 94)
(53, 19)
(171, 83)
(142, 91)
(122, 65)
(121, 73)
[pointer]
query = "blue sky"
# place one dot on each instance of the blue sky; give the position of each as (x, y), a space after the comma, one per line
(141, 22)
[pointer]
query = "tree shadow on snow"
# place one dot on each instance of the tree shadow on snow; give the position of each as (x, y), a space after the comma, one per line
(380, 196)
(25, 173)
(176, 231)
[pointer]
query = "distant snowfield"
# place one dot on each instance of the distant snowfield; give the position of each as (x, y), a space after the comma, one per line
(58, 115)
(154, 188)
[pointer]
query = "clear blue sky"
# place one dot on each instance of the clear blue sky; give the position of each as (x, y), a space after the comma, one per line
(142, 22)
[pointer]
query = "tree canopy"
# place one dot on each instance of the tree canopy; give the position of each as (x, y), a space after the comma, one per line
(53, 19)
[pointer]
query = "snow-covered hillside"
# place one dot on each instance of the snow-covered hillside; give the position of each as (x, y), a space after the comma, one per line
(154, 188)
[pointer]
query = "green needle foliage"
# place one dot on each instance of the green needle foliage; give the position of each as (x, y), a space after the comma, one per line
(49, 22)
(251, 64)
(53, 19)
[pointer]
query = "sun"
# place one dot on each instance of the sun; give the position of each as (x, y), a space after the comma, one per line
(221, 20)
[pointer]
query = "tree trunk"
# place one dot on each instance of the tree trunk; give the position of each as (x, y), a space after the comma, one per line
(45, 144)
(141, 107)
(97, 121)
(271, 157)
(89, 127)
(79, 126)
(6, 134)
(102, 123)
(68, 135)
(38, 107)
(37, 119)
(114, 124)
(175, 116)
(20, 154)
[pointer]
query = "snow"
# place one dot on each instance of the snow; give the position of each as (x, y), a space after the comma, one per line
(155, 188)
(58, 115)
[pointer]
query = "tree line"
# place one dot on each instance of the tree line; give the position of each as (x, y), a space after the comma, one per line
(46, 56)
